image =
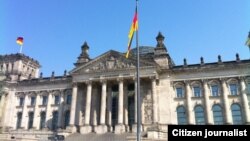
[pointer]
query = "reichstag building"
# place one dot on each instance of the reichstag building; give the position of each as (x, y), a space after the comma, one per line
(98, 96)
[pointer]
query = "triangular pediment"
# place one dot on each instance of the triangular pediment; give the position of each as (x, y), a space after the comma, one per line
(110, 61)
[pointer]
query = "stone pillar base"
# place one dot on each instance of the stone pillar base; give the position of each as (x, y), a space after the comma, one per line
(119, 128)
(85, 129)
(100, 129)
(229, 123)
(71, 128)
(134, 128)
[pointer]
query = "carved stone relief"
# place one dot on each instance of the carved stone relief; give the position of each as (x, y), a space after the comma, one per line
(148, 108)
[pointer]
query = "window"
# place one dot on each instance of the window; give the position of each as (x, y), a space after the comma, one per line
(131, 87)
(199, 115)
(30, 122)
(57, 100)
(114, 110)
(233, 89)
(19, 120)
(197, 91)
(42, 120)
(215, 90)
(218, 115)
(236, 113)
(45, 100)
(69, 97)
(181, 115)
(66, 118)
(131, 111)
(248, 88)
(54, 120)
(21, 101)
(179, 92)
(32, 101)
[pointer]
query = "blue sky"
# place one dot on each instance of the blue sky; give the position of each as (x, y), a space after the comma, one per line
(54, 30)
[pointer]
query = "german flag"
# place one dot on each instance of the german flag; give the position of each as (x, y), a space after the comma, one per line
(133, 28)
(19, 41)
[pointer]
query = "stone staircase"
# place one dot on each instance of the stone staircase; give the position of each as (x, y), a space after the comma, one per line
(98, 137)
(21, 135)
(5, 137)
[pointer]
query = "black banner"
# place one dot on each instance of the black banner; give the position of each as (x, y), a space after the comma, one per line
(208, 132)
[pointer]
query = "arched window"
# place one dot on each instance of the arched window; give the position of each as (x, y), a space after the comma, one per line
(19, 120)
(218, 115)
(66, 118)
(181, 115)
(54, 120)
(42, 120)
(199, 115)
(236, 113)
(31, 117)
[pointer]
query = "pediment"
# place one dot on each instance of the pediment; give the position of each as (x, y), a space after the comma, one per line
(110, 61)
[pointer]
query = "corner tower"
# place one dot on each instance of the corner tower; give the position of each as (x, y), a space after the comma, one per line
(84, 56)
(18, 67)
(161, 56)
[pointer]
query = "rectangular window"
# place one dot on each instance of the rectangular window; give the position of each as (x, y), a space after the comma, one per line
(233, 89)
(248, 88)
(69, 97)
(21, 101)
(179, 92)
(32, 101)
(197, 91)
(57, 99)
(45, 100)
(215, 90)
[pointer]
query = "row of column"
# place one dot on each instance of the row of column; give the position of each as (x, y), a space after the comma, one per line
(37, 111)
(226, 104)
(102, 128)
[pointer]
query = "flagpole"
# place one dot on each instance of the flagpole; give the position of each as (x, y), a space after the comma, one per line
(248, 42)
(21, 47)
(249, 51)
(138, 83)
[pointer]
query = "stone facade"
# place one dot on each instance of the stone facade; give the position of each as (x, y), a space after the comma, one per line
(99, 95)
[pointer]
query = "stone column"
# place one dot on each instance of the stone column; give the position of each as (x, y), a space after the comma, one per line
(3, 109)
(102, 128)
(109, 109)
(135, 101)
(72, 126)
(190, 112)
(125, 106)
(244, 100)
(154, 96)
(228, 113)
(49, 112)
(60, 110)
(2, 106)
(87, 128)
(207, 104)
(134, 128)
(120, 128)
(25, 113)
(36, 121)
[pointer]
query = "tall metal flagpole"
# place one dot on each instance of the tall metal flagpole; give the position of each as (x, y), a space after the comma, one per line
(248, 42)
(138, 83)
(21, 47)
